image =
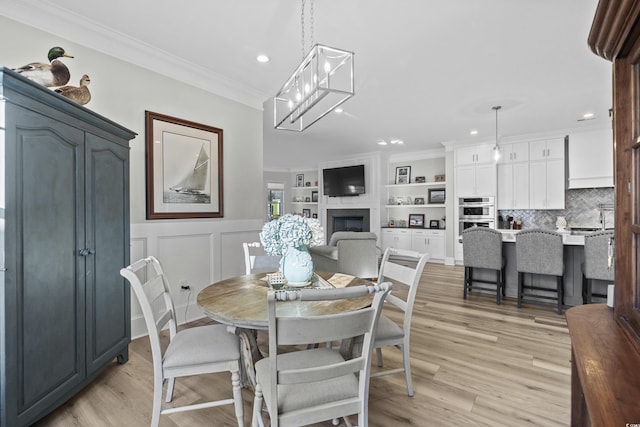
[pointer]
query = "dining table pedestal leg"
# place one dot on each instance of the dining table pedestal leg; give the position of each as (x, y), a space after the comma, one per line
(249, 354)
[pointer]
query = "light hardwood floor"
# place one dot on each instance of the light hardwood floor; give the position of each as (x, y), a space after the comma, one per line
(474, 364)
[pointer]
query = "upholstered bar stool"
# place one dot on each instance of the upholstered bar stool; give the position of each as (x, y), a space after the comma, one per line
(540, 252)
(596, 266)
(482, 248)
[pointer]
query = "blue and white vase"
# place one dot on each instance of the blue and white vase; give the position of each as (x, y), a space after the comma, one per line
(297, 266)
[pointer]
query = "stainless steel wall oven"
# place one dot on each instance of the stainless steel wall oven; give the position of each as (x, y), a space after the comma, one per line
(476, 211)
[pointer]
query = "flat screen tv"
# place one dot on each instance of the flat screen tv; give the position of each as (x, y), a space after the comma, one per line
(343, 181)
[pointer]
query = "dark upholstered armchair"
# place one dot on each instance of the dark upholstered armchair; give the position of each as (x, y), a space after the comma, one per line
(349, 252)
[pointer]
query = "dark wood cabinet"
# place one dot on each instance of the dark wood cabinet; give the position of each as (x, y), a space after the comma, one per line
(605, 376)
(64, 227)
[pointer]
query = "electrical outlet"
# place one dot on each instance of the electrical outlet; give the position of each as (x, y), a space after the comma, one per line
(184, 285)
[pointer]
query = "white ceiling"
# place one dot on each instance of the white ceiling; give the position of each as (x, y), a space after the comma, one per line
(426, 71)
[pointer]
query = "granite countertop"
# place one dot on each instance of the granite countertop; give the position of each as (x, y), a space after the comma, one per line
(567, 237)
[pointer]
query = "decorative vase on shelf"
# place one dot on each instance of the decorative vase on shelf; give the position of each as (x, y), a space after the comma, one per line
(561, 223)
(297, 266)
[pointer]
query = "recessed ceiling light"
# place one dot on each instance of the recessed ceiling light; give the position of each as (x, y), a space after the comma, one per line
(397, 141)
(383, 142)
(338, 110)
(262, 58)
(473, 132)
(587, 116)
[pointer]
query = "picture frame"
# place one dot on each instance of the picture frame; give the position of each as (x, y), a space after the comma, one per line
(420, 180)
(416, 220)
(314, 215)
(306, 213)
(437, 196)
(403, 174)
(300, 180)
(184, 168)
(314, 196)
(418, 201)
(434, 223)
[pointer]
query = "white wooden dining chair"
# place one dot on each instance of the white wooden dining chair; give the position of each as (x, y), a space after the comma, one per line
(192, 351)
(311, 385)
(256, 261)
(404, 269)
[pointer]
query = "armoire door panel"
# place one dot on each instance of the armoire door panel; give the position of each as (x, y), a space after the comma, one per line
(50, 281)
(106, 228)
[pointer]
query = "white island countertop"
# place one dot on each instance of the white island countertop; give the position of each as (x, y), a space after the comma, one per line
(567, 237)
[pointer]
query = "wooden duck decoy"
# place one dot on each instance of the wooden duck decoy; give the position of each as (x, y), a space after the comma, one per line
(49, 75)
(79, 94)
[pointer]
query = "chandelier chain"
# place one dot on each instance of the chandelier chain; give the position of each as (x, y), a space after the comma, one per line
(311, 26)
(311, 16)
(302, 25)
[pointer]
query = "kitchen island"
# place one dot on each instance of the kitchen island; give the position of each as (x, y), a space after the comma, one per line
(573, 258)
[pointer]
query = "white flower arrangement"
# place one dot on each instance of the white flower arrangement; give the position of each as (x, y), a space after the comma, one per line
(291, 231)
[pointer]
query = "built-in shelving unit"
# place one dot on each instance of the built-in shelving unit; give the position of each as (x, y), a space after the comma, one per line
(304, 198)
(415, 206)
(419, 190)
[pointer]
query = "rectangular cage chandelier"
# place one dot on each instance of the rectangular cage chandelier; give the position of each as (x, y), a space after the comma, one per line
(322, 82)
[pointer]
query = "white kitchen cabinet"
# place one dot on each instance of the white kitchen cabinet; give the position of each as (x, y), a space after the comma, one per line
(591, 159)
(513, 177)
(399, 238)
(476, 180)
(514, 153)
(547, 149)
(430, 241)
(547, 174)
(422, 240)
(477, 154)
(475, 171)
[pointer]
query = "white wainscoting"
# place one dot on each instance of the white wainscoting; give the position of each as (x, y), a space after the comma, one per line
(198, 252)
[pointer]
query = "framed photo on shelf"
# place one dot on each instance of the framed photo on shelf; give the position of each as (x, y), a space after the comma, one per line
(314, 196)
(315, 215)
(403, 174)
(420, 179)
(306, 213)
(416, 220)
(418, 201)
(434, 223)
(300, 180)
(184, 168)
(436, 195)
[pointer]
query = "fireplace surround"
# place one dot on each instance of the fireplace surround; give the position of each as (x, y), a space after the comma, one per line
(347, 220)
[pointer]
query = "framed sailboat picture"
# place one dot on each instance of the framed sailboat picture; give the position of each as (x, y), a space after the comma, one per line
(184, 168)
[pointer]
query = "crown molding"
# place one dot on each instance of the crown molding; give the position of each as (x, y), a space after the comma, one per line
(69, 25)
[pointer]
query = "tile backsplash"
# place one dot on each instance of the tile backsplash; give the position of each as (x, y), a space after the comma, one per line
(581, 210)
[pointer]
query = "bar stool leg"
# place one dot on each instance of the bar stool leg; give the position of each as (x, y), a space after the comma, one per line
(560, 282)
(466, 281)
(498, 286)
(520, 278)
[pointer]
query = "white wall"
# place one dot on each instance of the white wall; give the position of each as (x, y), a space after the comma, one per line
(200, 251)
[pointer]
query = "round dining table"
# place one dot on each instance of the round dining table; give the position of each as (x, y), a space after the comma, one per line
(241, 303)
